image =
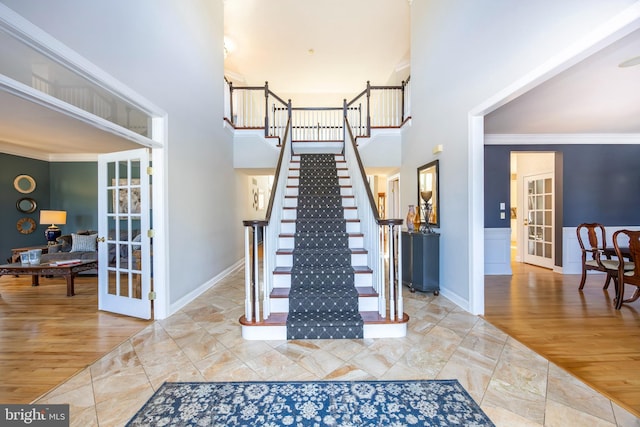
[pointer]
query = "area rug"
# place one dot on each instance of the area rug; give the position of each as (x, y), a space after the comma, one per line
(330, 403)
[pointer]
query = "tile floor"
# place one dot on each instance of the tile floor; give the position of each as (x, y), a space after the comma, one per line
(202, 342)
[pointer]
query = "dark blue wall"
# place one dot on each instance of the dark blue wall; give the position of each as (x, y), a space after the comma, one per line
(66, 186)
(10, 168)
(600, 183)
(74, 188)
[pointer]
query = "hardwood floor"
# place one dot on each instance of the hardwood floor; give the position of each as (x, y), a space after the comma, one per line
(47, 337)
(578, 331)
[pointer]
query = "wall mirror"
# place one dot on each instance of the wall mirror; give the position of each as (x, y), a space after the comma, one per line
(26, 205)
(25, 184)
(429, 195)
(26, 225)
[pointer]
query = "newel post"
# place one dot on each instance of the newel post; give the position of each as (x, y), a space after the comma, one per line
(252, 268)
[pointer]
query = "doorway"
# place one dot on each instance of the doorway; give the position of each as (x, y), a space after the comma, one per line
(533, 208)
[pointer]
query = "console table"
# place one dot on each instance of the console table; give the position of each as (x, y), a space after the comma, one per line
(68, 271)
(421, 261)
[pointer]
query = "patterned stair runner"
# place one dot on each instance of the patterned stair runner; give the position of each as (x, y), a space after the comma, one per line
(323, 301)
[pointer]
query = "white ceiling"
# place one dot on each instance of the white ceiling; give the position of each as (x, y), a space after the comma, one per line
(35, 131)
(328, 46)
(272, 41)
(594, 96)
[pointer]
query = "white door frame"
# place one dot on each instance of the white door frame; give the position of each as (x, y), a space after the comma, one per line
(611, 31)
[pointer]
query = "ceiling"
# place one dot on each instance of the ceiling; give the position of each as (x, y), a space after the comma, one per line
(594, 96)
(35, 131)
(328, 46)
(317, 47)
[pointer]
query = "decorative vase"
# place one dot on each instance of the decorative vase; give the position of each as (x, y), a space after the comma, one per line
(411, 216)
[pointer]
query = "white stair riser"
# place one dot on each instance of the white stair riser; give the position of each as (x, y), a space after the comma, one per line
(286, 260)
(281, 305)
(290, 227)
(292, 214)
(288, 242)
(295, 172)
(292, 202)
(295, 181)
(385, 330)
(293, 191)
(284, 280)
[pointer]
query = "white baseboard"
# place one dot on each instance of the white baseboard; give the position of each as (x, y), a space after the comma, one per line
(182, 302)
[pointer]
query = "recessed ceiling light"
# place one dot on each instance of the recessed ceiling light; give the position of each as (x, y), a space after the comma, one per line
(311, 51)
(630, 62)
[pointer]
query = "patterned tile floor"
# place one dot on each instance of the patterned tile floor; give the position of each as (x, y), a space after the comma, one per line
(202, 342)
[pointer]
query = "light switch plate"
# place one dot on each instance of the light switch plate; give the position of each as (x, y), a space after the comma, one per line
(502, 206)
(502, 216)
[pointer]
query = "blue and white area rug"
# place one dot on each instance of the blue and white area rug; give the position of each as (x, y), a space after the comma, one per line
(343, 403)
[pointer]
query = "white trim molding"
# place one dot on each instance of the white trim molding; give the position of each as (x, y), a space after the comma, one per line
(497, 251)
(559, 138)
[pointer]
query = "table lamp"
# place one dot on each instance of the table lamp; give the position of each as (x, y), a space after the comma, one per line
(53, 231)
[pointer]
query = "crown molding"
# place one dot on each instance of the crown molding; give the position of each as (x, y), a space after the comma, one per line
(561, 138)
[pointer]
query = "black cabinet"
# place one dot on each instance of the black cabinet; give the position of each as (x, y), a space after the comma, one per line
(421, 261)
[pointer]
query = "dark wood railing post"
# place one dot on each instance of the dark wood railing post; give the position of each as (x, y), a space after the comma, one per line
(402, 100)
(233, 121)
(368, 108)
(344, 128)
(266, 109)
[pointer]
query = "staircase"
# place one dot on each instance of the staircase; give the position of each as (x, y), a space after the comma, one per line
(322, 285)
(323, 301)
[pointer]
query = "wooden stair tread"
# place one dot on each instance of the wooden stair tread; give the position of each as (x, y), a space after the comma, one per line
(360, 269)
(294, 220)
(363, 291)
(369, 317)
(288, 235)
(289, 251)
(343, 207)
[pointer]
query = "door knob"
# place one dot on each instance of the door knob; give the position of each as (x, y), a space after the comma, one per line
(101, 239)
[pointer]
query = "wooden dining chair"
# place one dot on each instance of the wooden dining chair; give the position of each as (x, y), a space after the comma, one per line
(628, 273)
(592, 238)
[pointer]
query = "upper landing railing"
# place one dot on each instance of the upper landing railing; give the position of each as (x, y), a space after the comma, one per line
(257, 107)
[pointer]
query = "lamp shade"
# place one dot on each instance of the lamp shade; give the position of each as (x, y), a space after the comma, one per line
(53, 217)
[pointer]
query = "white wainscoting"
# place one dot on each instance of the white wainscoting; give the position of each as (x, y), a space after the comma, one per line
(571, 255)
(497, 251)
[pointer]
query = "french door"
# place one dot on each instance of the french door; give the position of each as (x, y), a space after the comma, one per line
(538, 219)
(124, 279)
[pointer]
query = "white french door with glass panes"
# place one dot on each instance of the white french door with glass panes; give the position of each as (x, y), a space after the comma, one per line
(124, 209)
(538, 219)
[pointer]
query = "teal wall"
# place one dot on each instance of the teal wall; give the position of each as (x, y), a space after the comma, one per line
(74, 188)
(70, 186)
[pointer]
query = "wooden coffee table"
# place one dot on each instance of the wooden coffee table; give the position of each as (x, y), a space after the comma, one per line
(69, 271)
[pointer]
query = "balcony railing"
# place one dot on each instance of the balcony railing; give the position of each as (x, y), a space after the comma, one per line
(257, 107)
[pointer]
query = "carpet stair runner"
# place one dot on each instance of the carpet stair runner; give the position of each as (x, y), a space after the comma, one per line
(323, 300)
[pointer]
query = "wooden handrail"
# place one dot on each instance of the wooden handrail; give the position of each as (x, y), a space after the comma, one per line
(372, 203)
(277, 174)
(366, 127)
